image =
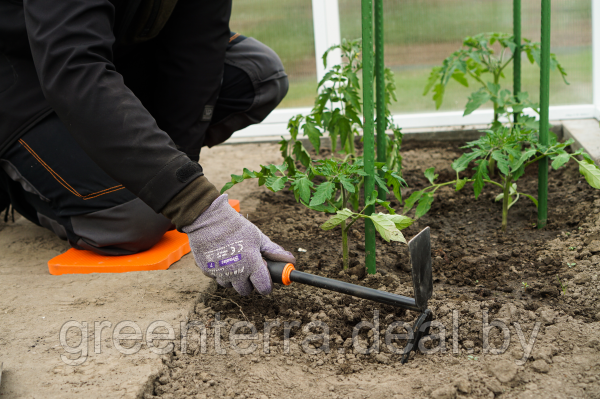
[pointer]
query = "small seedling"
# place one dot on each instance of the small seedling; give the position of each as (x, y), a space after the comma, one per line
(471, 357)
(571, 264)
(572, 248)
(563, 287)
(525, 285)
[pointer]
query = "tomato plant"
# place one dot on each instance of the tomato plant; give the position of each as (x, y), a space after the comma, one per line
(513, 148)
(338, 108)
(333, 186)
(478, 62)
(511, 144)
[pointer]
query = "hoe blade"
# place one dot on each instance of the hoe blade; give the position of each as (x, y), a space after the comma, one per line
(420, 259)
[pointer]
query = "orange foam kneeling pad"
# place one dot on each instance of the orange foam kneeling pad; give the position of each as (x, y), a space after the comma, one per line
(171, 247)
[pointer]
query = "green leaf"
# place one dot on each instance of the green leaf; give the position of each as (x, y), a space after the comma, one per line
(560, 160)
(227, 186)
(353, 79)
(438, 95)
(433, 77)
(338, 218)
(301, 154)
(501, 162)
(460, 183)
(480, 175)
(494, 88)
(351, 96)
(430, 175)
(460, 78)
(476, 100)
(462, 163)
(386, 227)
(347, 183)
(591, 173)
(516, 174)
(323, 193)
(410, 201)
(424, 205)
(327, 208)
(396, 182)
(302, 189)
(532, 198)
(386, 205)
(380, 182)
(401, 221)
(372, 199)
(276, 183)
(314, 134)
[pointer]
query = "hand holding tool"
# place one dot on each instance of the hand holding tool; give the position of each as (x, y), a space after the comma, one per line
(230, 249)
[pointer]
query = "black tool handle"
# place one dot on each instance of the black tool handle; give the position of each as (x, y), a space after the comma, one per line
(276, 269)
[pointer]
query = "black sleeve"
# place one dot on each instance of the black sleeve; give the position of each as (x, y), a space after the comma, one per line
(71, 42)
(190, 55)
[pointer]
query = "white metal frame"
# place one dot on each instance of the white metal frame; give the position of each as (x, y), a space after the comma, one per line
(327, 33)
(326, 23)
(596, 56)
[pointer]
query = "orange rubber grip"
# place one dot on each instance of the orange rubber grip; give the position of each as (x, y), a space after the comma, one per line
(285, 276)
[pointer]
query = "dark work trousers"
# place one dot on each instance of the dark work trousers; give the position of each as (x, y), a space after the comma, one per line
(53, 183)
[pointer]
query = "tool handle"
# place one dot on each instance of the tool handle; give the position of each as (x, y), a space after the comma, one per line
(284, 273)
(280, 271)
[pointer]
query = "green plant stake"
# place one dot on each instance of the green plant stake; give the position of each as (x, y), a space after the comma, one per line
(368, 136)
(544, 115)
(517, 52)
(380, 89)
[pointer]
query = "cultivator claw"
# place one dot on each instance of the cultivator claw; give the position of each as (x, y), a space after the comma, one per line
(420, 258)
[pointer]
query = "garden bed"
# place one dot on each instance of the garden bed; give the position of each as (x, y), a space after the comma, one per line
(524, 275)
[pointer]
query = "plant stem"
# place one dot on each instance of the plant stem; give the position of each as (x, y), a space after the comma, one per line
(505, 202)
(345, 252)
(496, 81)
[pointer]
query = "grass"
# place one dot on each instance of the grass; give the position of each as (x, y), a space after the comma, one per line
(419, 35)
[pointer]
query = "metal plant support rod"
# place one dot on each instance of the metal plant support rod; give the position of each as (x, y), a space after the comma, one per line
(368, 136)
(380, 89)
(544, 115)
(517, 55)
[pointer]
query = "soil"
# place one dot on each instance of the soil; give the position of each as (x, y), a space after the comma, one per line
(541, 283)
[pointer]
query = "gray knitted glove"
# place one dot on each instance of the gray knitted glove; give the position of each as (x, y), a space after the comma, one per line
(230, 249)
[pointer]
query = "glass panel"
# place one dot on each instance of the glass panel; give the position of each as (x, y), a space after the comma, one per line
(419, 34)
(287, 27)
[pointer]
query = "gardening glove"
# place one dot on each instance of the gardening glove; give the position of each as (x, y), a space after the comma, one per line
(230, 249)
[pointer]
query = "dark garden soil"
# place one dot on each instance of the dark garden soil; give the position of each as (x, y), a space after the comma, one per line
(523, 277)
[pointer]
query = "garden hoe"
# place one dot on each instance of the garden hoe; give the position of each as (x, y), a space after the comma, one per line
(420, 258)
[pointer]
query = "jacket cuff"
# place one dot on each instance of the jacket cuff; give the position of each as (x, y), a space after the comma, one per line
(186, 206)
(170, 180)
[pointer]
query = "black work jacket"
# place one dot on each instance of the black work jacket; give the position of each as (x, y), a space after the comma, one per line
(66, 56)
